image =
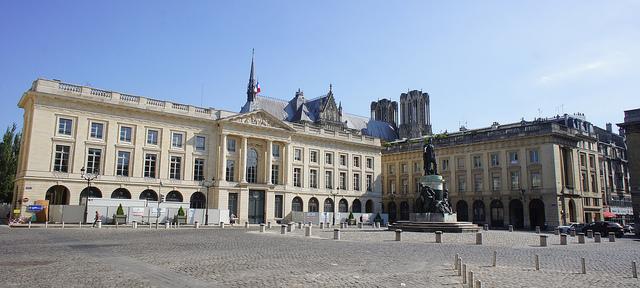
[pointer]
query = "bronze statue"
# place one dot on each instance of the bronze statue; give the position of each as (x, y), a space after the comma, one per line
(433, 201)
(430, 165)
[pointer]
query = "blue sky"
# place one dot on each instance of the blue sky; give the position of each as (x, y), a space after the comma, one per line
(481, 61)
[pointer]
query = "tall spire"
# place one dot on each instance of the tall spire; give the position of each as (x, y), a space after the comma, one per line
(252, 90)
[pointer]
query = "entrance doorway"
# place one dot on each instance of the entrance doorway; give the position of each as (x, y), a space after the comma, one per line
(256, 207)
(233, 205)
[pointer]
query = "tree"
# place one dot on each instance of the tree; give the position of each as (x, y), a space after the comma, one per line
(9, 151)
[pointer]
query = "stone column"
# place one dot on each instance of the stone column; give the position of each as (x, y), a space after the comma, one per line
(286, 167)
(223, 159)
(269, 160)
(243, 161)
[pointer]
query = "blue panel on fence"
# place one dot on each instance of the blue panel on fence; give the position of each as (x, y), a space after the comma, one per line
(34, 208)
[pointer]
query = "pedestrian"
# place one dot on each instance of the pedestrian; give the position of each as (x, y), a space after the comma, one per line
(232, 219)
(95, 219)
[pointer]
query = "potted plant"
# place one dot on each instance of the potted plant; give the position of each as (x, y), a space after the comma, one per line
(181, 218)
(120, 218)
(378, 218)
(352, 220)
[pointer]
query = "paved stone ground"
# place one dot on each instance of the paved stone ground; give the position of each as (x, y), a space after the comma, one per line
(237, 257)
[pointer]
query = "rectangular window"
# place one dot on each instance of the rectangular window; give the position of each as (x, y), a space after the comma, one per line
(356, 182)
(343, 181)
(594, 187)
(313, 156)
(297, 177)
(460, 163)
(328, 158)
(231, 145)
(369, 183)
(275, 174)
(64, 126)
(404, 168)
(343, 160)
(313, 178)
(297, 154)
(477, 162)
(369, 163)
(536, 180)
(61, 162)
(356, 161)
(405, 186)
(445, 164)
(477, 182)
(392, 169)
(513, 158)
(592, 162)
(94, 157)
(150, 165)
(126, 134)
(584, 181)
(583, 160)
(495, 181)
(416, 167)
(275, 150)
(175, 167)
(201, 143)
(534, 157)
(328, 179)
(122, 167)
(495, 160)
(198, 169)
(97, 130)
(278, 206)
(229, 174)
(177, 140)
(462, 183)
(152, 137)
(515, 180)
(392, 187)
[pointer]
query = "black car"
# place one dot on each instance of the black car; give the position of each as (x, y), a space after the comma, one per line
(604, 228)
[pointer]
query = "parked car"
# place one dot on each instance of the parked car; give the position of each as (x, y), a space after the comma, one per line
(604, 228)
(628, 228)
(567, 228)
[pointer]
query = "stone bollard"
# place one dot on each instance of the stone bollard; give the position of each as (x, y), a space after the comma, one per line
(563, 239)
(246, 225)
(307, 231)
(46, 224)
(80, 225)
(29, 224)
(536, 261)
(262, 226)
(360, 225)
(135, 224)
(221, 224)
(596, 237)
(584, 266)
(99, 224)
(464, 273)
(543, 240)
(290, 227)
(321, 225)
(589, 233)
(510, 228)
(299, 225)
(634, 269)
(495, 256)
(478, 284)
(398, 235)
(573, 232)
(479, 238)
(336, 234)
(455, 261)
(269, 225)
(378, 225)
(470, 279)
(438, 236)
(486, 227)
(149, 225)
(581, 238)
(556, 231)
(167, 225)
(537, 229)
(197, 225)
(459, 266)
(612, 237)
(283, 229)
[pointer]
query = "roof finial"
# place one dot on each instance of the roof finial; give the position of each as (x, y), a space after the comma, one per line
(330, 88)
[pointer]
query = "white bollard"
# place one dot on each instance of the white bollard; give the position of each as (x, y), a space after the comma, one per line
(597, 238)
(464, 273)
(80, 224)
(563, 239)
(495, 256)
(510, 228)
(246, 224)
(290, 227)
(99, 224)
(336, 234)
(438, 236)
(46, 224)
(299, 225)
(612, 237)
(634, 270)
(479, 238)
(197, 226)
(470, 279)
(321, 225)
(262, 227)
(537, 229)
(221, 224)
(269, 225)
(584, 266)
(283, 229)
(167, 225)
(478, 284)
(307, 231)
(537, 262)
(581, 238)
(29, 224)
(455, 261)
(543, 240)
(398, 235)
(135, 224)
(459, 266)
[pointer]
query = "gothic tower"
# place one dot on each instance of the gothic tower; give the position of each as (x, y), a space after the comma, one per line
(252, 89)
(415, 118)
(385, 110)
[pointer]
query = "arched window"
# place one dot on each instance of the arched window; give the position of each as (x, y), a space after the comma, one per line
(252, 166)
(404, 210)
(121, 193)
(89, 192)
(462, 210)
(497, 213)
(368, 206)
(393, 212)
(343, 206)
(328, 205)
(296, 204)
(313, 205)
(58, 195)
(174, 196)
(197, 201)
(478, 211)
(148, 195)
(356, 207)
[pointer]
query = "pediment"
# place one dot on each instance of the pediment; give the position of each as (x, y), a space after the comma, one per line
(259, 118)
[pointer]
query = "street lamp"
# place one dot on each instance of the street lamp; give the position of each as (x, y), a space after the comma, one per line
(158, 202)
(208, 184)
(334, 203)
(89, 177)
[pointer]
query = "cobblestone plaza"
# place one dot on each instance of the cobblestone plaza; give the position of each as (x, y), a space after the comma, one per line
(238, 257)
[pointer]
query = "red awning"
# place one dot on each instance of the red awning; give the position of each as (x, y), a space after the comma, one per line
(608, 214)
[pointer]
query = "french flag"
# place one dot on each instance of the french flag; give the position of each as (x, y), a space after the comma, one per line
(257, 87)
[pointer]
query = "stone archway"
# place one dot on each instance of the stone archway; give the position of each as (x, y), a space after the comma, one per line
(368, 206)
(174, 196)
(404, 210)
(198, 200)
(328, 205)
(393, 212)
(343, 206)
(148, 195)
(296, 204)
(536, 213)
(314, 206)
(57, 195)
(356, 207)
(462, 210)
(478, 212)
(497, 213)
(516, 214)
(121, 193)
(572, 211)
(89, 192)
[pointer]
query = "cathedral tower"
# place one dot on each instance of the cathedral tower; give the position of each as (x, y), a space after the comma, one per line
(415, 118)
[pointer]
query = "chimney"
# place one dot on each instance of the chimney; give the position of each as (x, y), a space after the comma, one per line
(609, 128)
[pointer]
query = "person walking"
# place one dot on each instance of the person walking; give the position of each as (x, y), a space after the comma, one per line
(95, 219)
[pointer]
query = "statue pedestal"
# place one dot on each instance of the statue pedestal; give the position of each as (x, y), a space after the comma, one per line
(433, 217)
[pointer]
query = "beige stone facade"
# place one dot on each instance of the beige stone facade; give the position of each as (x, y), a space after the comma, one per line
(523, 174)
(142, 147)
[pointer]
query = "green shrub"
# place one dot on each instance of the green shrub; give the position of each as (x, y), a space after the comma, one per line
(120, 211)
(378, 218)
(180, 212)
(350, 215)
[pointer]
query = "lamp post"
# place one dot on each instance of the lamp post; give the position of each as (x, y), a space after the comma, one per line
(334, 202)
(89, 177)
(208, 184)
(158, 202)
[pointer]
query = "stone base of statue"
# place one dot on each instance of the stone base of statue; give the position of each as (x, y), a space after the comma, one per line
(433, 217)
(432, 222)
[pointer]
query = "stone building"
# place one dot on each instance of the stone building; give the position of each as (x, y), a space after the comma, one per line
(631, 128)
(273, 157)
(415, 116)
(614, 174)
(526, 174)
(385, 110)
